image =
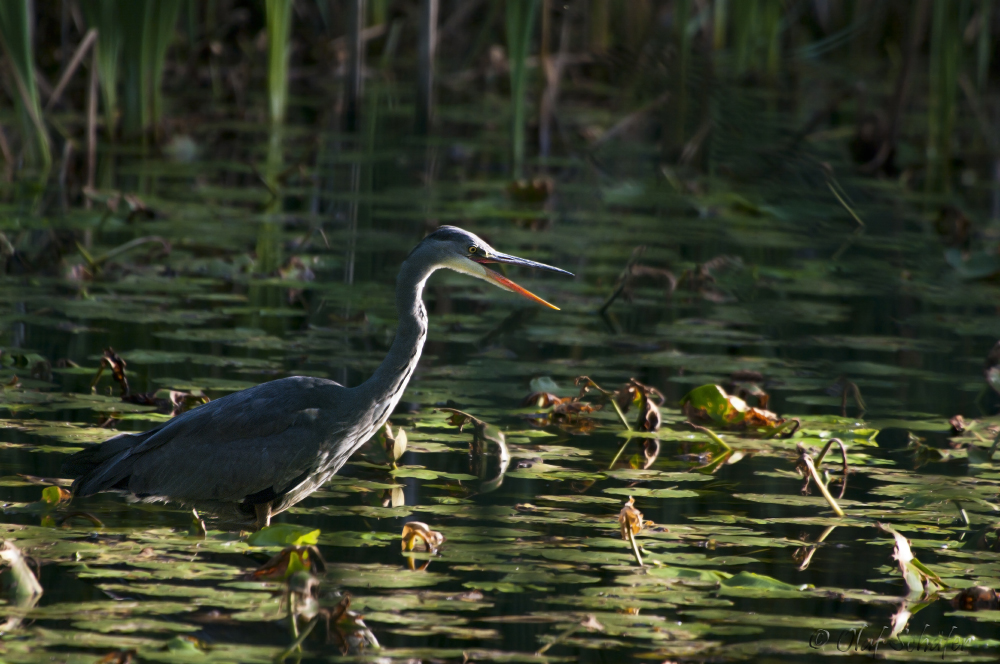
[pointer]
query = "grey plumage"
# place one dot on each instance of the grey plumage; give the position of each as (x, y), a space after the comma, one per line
(256, 452)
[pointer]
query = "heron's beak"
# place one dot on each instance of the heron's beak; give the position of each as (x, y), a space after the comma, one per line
(503, 282)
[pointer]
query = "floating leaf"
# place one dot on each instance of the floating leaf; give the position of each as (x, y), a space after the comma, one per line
(53, 495)
(284, 534)
(758, 582)
(710, 404)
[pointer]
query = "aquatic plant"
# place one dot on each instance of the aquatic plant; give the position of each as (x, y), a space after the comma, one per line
(16, 28)
(279, 30)
(520, 25)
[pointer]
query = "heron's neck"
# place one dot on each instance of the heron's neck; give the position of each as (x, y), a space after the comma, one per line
(386, 385)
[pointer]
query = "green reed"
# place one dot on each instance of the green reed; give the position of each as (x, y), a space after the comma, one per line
(378, 12)
(984, 43)
(161, 21)
(682, 13)
(16, 39)
(104, 15)
(720, 12)
(135, 35)
(756, 28)
(520, 21)
(599, 17)
(279, 23)
(945, 60)
(147, 27)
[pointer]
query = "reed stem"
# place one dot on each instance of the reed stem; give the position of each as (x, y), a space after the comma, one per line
(279, 23)
(520, 21)
(16, 35)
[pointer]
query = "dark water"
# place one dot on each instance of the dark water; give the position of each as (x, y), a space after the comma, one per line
(806, 296)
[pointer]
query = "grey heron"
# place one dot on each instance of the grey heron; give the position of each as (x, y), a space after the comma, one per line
(254, 453)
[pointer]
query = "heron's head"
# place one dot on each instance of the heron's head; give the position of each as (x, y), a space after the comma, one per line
(466, 252)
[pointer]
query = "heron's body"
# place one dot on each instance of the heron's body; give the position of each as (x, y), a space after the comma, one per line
(257, 452)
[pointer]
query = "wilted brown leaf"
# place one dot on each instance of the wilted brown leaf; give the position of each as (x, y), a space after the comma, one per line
(290, 560)
(570, 408)
(542, 400)
(630, 520)
(976, 598)
(116, 364)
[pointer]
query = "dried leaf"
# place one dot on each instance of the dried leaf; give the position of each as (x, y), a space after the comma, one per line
(542, 400)
(630, 520)
(395, 443)
(976, 598)
(290, 560)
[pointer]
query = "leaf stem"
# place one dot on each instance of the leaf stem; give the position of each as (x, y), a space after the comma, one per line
(635, 548)
(297, 645)
(560, 637)
(618, 455)
(807, 460)
(621, 415)
(711, 434)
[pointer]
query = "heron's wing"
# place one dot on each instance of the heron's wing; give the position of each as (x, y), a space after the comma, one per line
(247, 442)
(230, 469)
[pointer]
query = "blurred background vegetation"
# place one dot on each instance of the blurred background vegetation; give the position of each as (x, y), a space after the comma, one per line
(905, 88)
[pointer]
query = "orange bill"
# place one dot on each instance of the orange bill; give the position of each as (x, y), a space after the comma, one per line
(506, 284)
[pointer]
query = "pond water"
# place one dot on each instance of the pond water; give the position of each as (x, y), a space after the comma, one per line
(282, 257)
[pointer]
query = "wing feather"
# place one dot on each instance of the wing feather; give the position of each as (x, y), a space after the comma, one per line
(246, 442)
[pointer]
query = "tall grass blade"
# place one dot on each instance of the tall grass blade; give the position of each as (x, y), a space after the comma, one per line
(756, 35)
(638, 14)
(600, 16)
(720, 12)
(104, 15)
(773, 12)
(945, 55)
(379, 12)
(520, 21)
(425, 54)
(682, 13)
(16, 39)
(147, 28)
(984, 43)
(132, 18)
(161, 22)
(355, 78)
(279, 23)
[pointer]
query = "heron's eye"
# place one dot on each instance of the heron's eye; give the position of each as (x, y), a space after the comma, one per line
(473, 249)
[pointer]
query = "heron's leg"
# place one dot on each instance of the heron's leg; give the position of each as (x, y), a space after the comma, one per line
(263, 511)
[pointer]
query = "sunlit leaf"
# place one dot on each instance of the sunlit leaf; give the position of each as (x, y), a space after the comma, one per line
(284, 534)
